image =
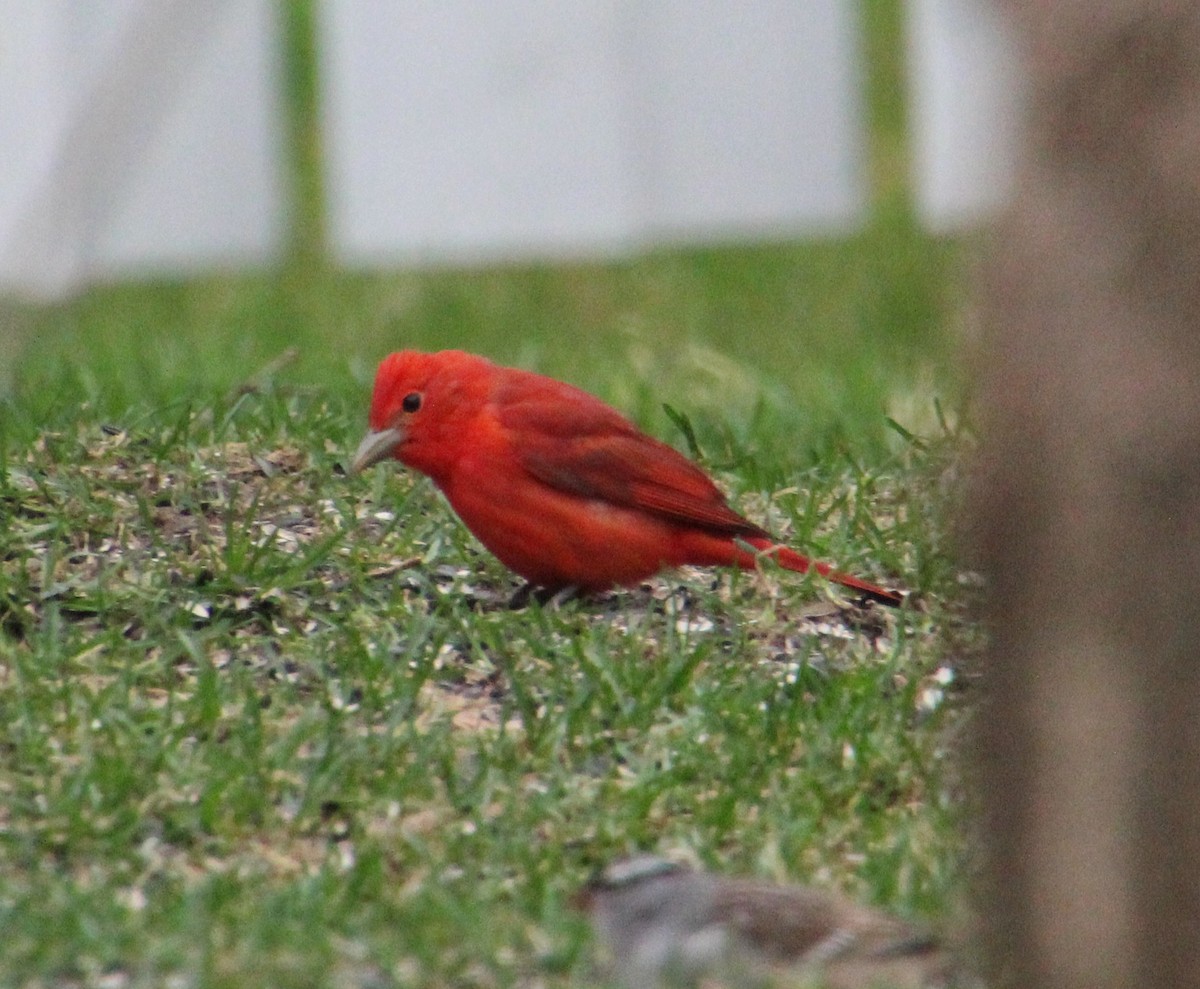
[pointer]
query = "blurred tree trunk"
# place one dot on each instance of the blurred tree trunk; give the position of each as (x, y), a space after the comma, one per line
(1088, 508)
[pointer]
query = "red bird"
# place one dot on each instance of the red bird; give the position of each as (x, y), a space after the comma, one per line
(565, 490)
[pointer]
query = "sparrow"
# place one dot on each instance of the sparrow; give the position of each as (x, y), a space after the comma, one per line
(665, 924)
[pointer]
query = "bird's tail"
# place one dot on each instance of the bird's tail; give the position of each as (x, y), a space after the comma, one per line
(789, 559)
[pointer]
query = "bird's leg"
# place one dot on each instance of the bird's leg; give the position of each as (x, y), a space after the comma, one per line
(556, 599)
(521, 596)
(549, 598)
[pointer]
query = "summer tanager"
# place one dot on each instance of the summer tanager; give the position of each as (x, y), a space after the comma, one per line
(565, 490)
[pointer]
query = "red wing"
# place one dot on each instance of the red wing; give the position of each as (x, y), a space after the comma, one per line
(588, 449)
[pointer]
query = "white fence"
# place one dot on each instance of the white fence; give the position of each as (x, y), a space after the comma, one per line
(144, 136)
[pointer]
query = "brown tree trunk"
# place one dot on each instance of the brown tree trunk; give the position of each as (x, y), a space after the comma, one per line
(1087, 503)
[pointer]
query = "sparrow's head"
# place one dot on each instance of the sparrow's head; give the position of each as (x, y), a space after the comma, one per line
(624, 875)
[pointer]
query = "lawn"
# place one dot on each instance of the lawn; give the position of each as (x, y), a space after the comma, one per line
(268, 724)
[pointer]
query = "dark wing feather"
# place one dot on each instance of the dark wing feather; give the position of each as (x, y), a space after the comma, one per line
(586, 448)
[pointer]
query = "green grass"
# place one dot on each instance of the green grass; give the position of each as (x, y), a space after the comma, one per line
(270, 725)
(266, 724)
(815, 343)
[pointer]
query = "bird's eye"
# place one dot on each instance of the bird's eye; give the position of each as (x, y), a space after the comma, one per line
(412, 402)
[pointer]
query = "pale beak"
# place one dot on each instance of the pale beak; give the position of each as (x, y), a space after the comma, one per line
(376, 446)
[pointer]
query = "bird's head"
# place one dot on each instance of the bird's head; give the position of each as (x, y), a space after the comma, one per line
(415, 393)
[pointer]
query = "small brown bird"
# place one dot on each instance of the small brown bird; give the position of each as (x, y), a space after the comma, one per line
(667, 925)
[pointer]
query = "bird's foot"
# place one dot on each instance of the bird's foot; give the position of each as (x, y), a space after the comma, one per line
(549, 598)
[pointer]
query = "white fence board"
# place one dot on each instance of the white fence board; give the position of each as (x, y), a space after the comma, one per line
(462, 128)
(472, 129)
(136, 136)
(966, 92)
